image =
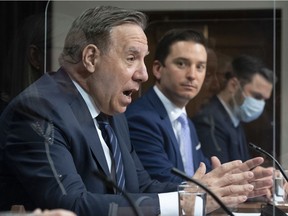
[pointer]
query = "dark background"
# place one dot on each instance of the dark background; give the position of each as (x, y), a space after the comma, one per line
(230, 33)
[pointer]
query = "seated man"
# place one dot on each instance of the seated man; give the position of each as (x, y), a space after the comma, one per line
(219, 123)
(55, 153)
(154, 120)
(179, 68)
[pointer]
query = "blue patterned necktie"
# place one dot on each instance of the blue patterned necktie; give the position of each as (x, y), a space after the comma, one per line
(112, 142)
(186, 145)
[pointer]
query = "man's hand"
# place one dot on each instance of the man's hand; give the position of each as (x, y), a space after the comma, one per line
(234, 182)
(262, 180)
(225, 184)
(53, 212)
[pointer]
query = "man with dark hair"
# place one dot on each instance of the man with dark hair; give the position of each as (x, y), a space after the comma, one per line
(179, 69)
(242, 99)
(157, 119)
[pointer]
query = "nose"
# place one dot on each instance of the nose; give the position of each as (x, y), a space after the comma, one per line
(141, 74)
(191, 73)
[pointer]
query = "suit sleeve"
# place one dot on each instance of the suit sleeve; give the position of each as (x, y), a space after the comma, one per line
(38, 154)
(151, 142)
(146, 184)
(212, 135)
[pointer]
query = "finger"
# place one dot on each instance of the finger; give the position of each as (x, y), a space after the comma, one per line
(261, 172)
(215, 162)
(58, 212)
(232, 201)
(229, 195)
(262, 183)
(233, 195)
(232, 190)
(258, 193)
(220, 171)
(200, 172)
(230, 179)
(250, 164)
(268, 194)
(37, 211)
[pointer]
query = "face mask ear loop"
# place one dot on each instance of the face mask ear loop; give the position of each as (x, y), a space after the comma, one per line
(240, 87)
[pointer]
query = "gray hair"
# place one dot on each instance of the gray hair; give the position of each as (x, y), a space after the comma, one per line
(94, 27)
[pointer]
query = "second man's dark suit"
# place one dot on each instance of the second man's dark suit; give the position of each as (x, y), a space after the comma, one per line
(153, 138)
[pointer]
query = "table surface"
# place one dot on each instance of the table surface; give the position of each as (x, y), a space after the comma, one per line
(248, 207)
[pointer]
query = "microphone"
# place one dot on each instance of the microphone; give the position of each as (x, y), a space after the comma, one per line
(184, 176)
(110, 182)
(258, 149)
(270, 209)
(47, 132)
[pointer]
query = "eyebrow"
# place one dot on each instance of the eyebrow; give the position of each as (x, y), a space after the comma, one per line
(188, 60)
(182, 59)
(203, 62)
(136, 50)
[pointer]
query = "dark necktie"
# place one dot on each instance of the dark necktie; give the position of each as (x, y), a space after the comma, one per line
(112, 142)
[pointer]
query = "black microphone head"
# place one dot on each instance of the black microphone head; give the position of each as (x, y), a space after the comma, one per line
(253, 146)
(258, 149)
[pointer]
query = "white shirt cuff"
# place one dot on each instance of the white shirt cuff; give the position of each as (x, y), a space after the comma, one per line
(169, 203)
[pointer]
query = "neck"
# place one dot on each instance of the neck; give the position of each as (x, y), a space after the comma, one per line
(177, 101)
(227, 98)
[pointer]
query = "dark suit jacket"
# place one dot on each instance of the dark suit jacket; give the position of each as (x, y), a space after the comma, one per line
(154, 140)
(50, 155)
(218, 135)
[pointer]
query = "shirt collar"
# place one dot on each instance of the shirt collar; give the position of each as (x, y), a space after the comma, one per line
(235, 120)
(173, 111)
(94, 111)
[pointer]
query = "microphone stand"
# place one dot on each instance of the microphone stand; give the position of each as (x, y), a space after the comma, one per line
(183, 175)
(270, 209)
(257, 148)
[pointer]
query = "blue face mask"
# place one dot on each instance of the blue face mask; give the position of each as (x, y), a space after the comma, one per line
(251, 109)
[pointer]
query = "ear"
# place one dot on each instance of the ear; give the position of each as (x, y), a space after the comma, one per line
(90, 56)
(34, 57)
(233, 85)
(157, 69)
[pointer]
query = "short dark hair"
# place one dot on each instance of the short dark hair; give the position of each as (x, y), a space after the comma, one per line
(176, 35)
(245, 67)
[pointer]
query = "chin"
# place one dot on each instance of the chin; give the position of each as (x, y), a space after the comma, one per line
(120, 110)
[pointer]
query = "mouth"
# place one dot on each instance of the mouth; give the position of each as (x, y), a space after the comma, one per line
(128, 93)
(190, 86)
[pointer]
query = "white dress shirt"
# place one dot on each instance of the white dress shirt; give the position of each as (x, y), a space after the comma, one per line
(173, 112)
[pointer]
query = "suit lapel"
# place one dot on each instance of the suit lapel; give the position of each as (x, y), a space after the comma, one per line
(160, 109)
(82, 114)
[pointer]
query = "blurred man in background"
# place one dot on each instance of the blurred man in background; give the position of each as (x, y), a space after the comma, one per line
(219, 123)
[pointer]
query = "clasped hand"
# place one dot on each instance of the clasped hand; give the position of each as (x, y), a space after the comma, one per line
(233, 182)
